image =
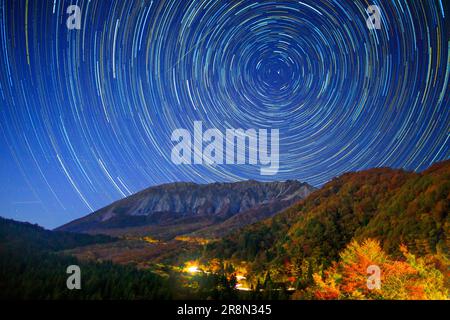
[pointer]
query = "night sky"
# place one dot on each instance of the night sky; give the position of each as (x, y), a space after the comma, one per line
(86, 115)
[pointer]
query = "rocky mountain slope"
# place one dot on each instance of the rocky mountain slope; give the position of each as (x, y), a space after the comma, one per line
(179, 208)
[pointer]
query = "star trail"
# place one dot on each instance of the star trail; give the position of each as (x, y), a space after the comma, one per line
(86, 115)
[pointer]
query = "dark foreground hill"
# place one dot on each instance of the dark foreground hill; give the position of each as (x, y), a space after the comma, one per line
(33, 268)
(35, 238)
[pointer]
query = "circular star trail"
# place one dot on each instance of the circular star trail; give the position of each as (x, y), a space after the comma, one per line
(87, 115)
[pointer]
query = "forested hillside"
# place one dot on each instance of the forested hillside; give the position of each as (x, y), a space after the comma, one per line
(33, 267)
(397, 209)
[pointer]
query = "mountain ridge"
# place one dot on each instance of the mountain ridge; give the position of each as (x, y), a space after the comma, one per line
(188, 202)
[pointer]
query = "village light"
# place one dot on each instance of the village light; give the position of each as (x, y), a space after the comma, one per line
(193, 269)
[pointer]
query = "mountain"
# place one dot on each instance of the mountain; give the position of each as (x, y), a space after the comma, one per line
(169, 210)
(394, 207)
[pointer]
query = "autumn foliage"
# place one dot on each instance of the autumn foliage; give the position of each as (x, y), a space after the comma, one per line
(408, 279)
(321, 246)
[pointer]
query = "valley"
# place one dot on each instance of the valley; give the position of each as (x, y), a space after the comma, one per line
(270, 241)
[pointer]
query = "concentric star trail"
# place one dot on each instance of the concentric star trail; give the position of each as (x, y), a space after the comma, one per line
(86, 115)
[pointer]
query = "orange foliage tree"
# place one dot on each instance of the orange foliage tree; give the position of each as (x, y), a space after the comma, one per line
(411, 278)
